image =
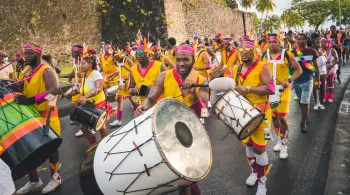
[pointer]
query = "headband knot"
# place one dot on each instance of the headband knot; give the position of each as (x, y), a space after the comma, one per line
(34, 48)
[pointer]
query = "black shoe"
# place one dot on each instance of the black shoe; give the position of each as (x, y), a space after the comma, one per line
(338, 78)
(303, 127)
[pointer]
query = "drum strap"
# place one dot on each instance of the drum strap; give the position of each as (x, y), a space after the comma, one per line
(239, 72)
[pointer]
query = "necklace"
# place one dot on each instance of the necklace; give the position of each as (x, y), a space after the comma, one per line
(309, 66)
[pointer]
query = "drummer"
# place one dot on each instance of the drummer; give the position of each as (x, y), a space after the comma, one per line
(228, 56)
(157, 55)
(92, 90)
(77, 54)
(145, 72)
(167, 86)
(254, 81)
(203, 63)
(41, 81)
(282, 78)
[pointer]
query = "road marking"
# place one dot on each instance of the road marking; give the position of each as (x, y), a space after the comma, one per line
(344, 107)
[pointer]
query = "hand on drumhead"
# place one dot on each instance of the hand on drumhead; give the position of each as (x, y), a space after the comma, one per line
(82, 100)
(242, 90)
(21, 99)
(140, 110)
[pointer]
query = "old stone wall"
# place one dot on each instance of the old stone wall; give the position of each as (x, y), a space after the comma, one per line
(55, 25)
(205, 18)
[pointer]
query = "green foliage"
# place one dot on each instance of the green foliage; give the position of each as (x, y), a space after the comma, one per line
(292, 19)
(265, 5)
(271, 23)
(104, 6)
(255, 21)
(246, 4)
(122, 18)
(223, 3)
(193, 3)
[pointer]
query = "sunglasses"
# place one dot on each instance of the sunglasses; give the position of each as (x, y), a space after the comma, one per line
(140, 52)
(247, 49)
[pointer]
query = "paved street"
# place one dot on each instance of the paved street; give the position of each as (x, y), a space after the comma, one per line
(304, 172)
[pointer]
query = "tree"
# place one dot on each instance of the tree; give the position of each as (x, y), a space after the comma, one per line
(265, 6)
(271, 23)
(255, 21)
(345, 11)
(246, 4)
(292, 19)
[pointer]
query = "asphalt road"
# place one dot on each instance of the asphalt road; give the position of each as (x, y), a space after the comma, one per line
(304, 172)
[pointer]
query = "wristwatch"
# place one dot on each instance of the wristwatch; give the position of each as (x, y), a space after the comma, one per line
(290, 80)
(248, 87)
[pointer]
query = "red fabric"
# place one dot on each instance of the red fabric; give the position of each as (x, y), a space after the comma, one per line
(102, 105)
(147, 69)
(250, 69)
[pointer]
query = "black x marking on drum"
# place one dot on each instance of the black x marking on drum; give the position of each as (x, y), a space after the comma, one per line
(137, 148)
(146, 169)
(135, 126)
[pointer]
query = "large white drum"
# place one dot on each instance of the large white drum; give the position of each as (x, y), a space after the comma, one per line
(157, 152)
(240, 115)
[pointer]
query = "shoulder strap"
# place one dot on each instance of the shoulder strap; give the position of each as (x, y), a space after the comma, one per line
(239, 70)
(263, 55)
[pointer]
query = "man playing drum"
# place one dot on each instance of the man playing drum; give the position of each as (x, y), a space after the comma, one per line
(203, 63)
(168, 85)
(228, 56)
(41, 82)
(157, 55)
(273, 57)
(144, 73)
(254, 81)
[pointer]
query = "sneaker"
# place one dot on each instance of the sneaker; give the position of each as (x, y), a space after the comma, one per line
(251, 180)
(30, 187)
(322, 107)
(74, 123)
(330, 97)
(278, 145)
(261, 189)
(202, 120)
(303, 127)
(295, 97)
(209, 104)
(115, 123)
(79, 133)
(284, 152)
(52, 185)
(338, 78)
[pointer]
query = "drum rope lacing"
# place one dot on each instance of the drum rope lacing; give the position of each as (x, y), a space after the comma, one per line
(137, 148)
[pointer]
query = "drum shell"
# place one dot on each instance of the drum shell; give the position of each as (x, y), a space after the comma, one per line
(87, 115)
(275, 99)
(26, 146)
(254, 113)
(88, 184)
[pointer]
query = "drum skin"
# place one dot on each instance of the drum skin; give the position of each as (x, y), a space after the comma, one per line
(157, 166)
(89, 116)
(87, 179)
(23, 145)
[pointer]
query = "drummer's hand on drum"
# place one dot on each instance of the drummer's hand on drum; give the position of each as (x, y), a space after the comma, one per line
(21, 99)
(187, 84)
(140, 110)
(242, 90)
(82, 100)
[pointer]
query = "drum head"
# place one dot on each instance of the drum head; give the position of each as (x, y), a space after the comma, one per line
(101, 120)
(251, 127)
(182, 140)
(112, 89)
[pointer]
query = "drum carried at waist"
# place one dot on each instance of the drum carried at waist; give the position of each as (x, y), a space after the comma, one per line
(89, 115)
(275, 99)
(23, 145)
(157, 152)
(238, 114)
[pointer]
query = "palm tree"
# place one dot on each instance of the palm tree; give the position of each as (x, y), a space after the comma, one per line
(292, 19)
(265, 6)
(246, 4)
(271, 23)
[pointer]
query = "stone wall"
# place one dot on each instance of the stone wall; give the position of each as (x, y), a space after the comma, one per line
(55, 25)
(205, 17)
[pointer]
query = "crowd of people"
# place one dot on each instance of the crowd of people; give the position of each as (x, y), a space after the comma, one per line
(145, 72)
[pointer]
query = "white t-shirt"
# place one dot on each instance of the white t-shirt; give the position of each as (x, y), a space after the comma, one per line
(95, 76)
(7, 187)
(5, 73)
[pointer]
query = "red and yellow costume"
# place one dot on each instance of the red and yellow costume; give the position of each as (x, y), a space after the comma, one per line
(282, 75)
(170, 54)
(109, 68)
(76, 97)
(228, 59)
(36, 85)
(147, 78)
(123, 91)
(252, 78)
(263, 46)
(201, 64)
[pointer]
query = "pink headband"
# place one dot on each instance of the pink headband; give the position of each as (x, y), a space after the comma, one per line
(141, 47)
(155, 47)
(248, 44)
(107, 45)
(34, 48)
(273, 38)
(77, 49)
(21, 51)
(246, 38)
(184, 48)
(226, 41)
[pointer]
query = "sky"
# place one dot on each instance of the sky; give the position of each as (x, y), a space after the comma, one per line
(281, 5)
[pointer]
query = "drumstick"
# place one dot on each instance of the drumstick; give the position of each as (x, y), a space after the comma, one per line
(13, 61)
(52, 102)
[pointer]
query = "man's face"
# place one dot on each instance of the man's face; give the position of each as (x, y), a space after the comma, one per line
(274, 45)
(141, 56)
(263, 37)
(333, 29)
(109, 50)
(30, 57)
(247, 53)
(289, 37)
(301, 41)
(226, 46)
(184, 62)
(155, 55)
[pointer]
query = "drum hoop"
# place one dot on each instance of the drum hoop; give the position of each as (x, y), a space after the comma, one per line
(232, 130)
(104, 112)
(166, 161)
(73, 110)
(240, 133)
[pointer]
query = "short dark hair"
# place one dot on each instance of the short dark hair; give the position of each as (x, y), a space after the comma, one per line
(172, 41)
(303, 35)
(273, 34)
(79, 46)
(92, 60)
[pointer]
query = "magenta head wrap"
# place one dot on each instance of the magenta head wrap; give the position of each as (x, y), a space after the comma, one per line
(185, 48)
(141, 47)
(34, 48)
(328, 41)
(248, 44)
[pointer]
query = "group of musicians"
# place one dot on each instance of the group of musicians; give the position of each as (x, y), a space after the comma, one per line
(147, 73)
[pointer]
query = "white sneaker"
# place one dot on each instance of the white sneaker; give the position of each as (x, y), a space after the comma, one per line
(115, 123)
(209, 104)
(79, 133)
(52, 185)
(30, 187)
(322, 107)
(284, 152)
(261, 189)
(202, 120)
(252, 179)
(278, 145)
(73, 123)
